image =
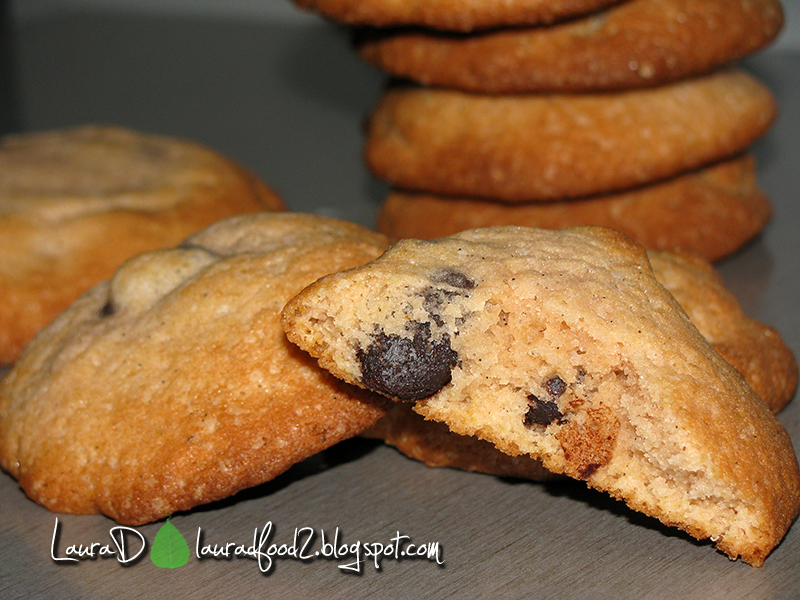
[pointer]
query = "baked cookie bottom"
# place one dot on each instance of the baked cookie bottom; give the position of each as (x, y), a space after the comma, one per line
(451, 15)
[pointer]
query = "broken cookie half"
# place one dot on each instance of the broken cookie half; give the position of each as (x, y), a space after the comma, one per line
(562, 345)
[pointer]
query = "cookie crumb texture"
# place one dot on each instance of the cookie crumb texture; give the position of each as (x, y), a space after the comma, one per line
(433, 444)
(172, 385)
(564, 347)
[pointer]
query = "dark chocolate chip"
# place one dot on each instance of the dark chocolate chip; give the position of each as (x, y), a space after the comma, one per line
(541, 412)
(407, 368)
(433, 299)
(555, 386)
(108, 309)
(453, 278)
(436, 297)
(589, 470)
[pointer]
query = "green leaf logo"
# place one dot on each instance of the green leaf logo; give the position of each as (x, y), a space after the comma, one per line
(170, 549)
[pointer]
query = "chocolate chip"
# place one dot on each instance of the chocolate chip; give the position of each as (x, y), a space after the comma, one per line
(407, 368)
(555, 386)
(453, 278)
(436, 297)
(433, 298)
(108, 309)
(541, 412)
(589, 470)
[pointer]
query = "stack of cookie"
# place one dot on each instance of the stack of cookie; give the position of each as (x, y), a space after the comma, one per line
(550, 114)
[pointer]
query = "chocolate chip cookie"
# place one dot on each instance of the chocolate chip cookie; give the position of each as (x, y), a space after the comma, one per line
(631, 44)
(563, 346)
(75, 203)
(533, 147)
(756, 350)
(172, 384)
(712, 211)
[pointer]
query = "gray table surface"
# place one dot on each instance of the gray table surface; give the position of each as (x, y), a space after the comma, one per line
(288, 100)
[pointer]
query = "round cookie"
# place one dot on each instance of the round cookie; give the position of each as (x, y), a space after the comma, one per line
(562, 345)
(633, 44)
(452, 15)
(75, 203)
(548, 147)
(713, 211)
(172, 385)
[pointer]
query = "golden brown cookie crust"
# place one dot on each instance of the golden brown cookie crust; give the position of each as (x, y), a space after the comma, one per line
(633, 44)
(564, 346)
(550, 147)
(172, 384)
(452, 15)
(713, 211)
(75, 203)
